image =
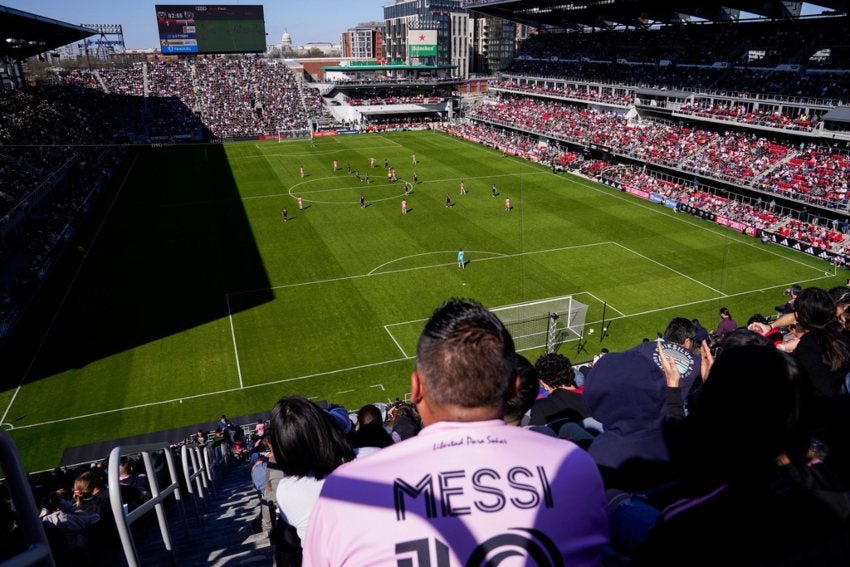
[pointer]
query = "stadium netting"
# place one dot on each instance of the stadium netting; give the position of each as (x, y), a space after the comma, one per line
(294, 135)
(545, 323)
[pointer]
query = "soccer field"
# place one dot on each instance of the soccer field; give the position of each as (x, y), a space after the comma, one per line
(194, 298)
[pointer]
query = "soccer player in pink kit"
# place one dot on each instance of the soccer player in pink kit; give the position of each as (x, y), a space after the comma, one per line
(301, 171)
(469, 489)
(300, 202)
(404, 206)
(334, 166)
(508, 204)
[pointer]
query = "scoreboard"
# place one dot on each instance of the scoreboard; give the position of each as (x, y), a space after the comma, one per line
(210, 28)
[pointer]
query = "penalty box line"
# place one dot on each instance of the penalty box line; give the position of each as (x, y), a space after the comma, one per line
(355, 368)
(388, 326)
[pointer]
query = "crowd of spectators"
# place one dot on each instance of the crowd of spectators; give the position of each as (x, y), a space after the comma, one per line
(758, 215)
(232, 96)
(813, 171)
(741, 57)
(48, 131)
(75, 510)
(518, 144)
(595, 93)
(58, 150)
(661, 421)
(45, 128)
(738, 113)
(810, 173)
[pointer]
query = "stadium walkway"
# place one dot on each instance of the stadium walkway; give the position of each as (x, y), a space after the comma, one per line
(224, 536)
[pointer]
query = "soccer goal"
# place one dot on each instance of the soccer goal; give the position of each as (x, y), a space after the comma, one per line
(545, 323)
(294, 135)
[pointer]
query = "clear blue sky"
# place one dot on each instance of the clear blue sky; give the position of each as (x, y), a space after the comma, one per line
(306, 20)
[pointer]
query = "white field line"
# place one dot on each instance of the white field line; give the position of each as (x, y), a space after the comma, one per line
(233, 336)
(330, 190)
(68, 290)
(604, 302)
(677, 272)
(373, 364)
(599, 189)
(375, 269)
(194, 396)
(723, 296)
(491, 151)
(384, 137)
(501, 307)
(399, 184)
(317, 152)
(402, 270)
(387, 329)
(215, 393)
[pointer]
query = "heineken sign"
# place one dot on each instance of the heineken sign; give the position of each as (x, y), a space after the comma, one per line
(422, 43)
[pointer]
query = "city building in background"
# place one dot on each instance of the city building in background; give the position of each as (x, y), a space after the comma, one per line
(493, 43)
(403, 16)
(315, 49)
(365, 40)
(461, 35)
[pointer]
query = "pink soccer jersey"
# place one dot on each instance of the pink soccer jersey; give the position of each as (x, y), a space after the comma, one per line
(462, 494)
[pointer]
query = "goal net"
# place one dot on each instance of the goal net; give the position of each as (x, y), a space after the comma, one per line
(293, 135)
(545, 323)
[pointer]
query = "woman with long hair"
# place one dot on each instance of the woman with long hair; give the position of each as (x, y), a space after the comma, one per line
(824, 349)
(824, 354)
(308, 444)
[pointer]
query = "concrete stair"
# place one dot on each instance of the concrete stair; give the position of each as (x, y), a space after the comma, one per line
(224, 535)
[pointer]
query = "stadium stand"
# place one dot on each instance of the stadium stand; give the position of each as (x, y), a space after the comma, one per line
(741, 159)
(747, 144)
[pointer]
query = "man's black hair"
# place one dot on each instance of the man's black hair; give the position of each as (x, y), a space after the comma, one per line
(679, 330)
(466, 355)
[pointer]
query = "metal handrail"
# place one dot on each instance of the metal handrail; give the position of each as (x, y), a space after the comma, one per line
(38, 550)
(124, 521)
(194, 471)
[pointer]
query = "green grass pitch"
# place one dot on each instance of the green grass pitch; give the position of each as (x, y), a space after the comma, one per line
(194, 298)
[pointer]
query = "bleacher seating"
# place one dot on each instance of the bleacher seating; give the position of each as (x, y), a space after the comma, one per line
(728, 156)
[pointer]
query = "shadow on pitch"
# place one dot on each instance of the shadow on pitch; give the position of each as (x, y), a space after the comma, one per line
(175, 243)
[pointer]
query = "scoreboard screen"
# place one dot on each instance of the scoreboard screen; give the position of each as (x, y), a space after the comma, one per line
(210, 29)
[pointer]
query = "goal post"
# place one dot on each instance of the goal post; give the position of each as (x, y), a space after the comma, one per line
(294, 135)
(545, 323)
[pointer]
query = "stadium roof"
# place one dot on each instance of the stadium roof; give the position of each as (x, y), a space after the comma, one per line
(837, 115)
(663, 93)
(24, 35)
(370, 110)
(640, 13)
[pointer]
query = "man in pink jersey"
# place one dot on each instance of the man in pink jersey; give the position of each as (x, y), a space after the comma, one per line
(508, 204)
(469, 489)
(404, 206)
